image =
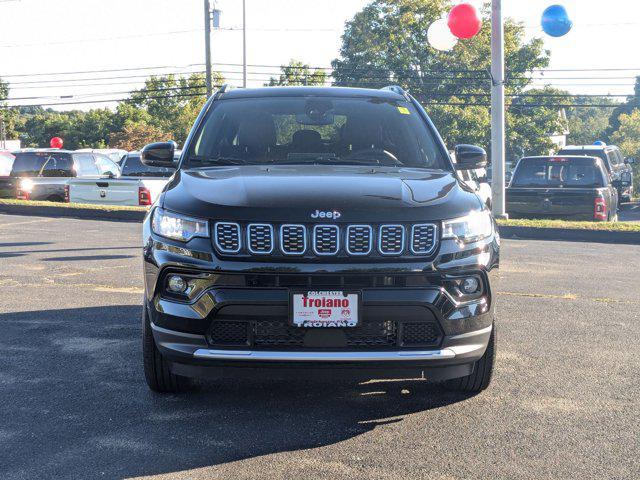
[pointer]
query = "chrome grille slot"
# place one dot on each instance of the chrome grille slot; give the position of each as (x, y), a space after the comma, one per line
(326, 240)
(359, 239)
(293, 239)
(227, 237)
(260, 238)
(423, 238)
(391, 240)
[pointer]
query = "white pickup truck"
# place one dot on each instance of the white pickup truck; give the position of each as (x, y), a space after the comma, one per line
(138, 184)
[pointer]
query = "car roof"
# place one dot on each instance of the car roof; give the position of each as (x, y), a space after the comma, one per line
(310, 92)
(560, 156)
(42, 150)
(587, 148)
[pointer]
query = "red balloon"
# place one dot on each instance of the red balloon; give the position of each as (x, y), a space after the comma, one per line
(56, 142)
(464, 21)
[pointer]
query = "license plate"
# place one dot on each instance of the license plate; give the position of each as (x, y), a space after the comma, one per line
(325, 309)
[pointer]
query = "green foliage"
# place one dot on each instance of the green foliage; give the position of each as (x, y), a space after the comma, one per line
(627, 137)
(77, 128)
(298, 73)
(588, 124)
(632, 103)
(170, 104)
(386, 43)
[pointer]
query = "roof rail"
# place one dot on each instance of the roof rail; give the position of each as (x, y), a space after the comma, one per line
(396, 89)
(225, 88)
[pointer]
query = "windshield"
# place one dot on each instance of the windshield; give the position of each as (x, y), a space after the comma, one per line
(46, 164)
(133, 167)
(552, 173)
(315, 130)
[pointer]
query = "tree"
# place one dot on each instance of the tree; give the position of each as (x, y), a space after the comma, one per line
(588, 124)
(172, 103)
(298, 73)
(134, 136)
(8, 115)
(77, 128)
(386, 43)
(627, 137)
(632, 103)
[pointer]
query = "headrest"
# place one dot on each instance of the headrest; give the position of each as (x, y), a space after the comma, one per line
(359, 133)
(257, 132)
(306, 138)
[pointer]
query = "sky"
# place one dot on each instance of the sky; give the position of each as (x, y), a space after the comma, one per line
(41, 39)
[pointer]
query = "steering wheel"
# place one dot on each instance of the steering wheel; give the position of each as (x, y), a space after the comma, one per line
(367, 153)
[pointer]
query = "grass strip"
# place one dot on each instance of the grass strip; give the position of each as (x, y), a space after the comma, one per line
(573, 225)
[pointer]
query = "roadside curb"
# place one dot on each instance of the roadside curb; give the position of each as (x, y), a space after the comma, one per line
(570, 235)
(74, 212)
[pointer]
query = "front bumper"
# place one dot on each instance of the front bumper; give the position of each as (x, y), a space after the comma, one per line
(191, 355)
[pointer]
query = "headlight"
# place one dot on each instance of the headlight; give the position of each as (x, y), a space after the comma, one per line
(178, 227)
(471, 228)
(26, 184)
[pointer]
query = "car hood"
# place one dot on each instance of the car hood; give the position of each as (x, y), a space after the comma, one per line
(293, 193)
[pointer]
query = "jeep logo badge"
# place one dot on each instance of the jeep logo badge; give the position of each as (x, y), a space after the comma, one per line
(334, 215)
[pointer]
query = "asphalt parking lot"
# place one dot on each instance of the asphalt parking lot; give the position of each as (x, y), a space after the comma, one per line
(73, 403)
(629, 212)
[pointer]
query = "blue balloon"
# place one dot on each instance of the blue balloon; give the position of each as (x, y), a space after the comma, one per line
(555, 21)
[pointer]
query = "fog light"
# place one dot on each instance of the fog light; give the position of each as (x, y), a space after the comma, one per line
(469, 285)
(177, 284)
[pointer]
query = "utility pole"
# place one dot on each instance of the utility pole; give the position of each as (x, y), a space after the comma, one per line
(207, 45)
(497, 111)
(244, 43)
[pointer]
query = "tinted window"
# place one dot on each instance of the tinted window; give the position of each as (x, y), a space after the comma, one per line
(315, 130)
(133, 167)
(86, 165)
(49, 164)
(542, 172)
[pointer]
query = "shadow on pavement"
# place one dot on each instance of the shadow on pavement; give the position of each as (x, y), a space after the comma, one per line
(87, 258)
(75, 404)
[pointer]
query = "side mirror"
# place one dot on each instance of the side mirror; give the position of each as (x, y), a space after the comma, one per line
(159, 154)
(470, 157)
(109, 174)
(630, 161)
(625, 179)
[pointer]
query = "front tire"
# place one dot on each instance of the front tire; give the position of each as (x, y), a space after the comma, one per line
(480, 379)
(156, 369)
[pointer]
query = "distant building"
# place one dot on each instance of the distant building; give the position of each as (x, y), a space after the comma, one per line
(10, 145)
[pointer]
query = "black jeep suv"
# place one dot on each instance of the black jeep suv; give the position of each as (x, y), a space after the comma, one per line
(318, 231)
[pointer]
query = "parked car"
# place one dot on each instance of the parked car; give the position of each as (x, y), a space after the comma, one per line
(139, 184)
(571, 187)
(318, 231)
(43, 174)
(617, 166)
(116, 155)
(477, 180)
(6, 162)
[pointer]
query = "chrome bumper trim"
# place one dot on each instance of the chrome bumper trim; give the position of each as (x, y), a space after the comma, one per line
(447, 353)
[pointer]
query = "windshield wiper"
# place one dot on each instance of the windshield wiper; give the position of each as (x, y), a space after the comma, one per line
(213, 161)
